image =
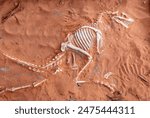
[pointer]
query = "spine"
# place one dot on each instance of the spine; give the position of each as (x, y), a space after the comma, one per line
(34, 67)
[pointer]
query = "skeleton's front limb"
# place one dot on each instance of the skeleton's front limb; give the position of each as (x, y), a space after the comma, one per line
(85, 53)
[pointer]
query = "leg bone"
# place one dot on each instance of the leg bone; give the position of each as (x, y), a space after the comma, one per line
(74, 66)
(85, 53)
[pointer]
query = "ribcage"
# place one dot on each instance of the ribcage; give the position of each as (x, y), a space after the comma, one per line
(83, 38)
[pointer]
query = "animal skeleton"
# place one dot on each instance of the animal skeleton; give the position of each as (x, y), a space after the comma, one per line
(81, 41)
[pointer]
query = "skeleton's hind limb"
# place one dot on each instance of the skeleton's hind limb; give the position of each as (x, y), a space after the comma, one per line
(85, 53)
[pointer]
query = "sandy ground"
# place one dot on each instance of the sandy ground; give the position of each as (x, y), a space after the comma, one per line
(33, 30)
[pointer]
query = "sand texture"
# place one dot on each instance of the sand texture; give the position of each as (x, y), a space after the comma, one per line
(33, 30)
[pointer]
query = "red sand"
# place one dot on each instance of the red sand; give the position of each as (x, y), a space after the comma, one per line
(33, 30)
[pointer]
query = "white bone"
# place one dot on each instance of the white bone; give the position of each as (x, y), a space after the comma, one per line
(17, 88)
(124, 20)
(107, 75)
(58, 70)
(74, 66)
(35, 84)
(80, 82)
(109, 86)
